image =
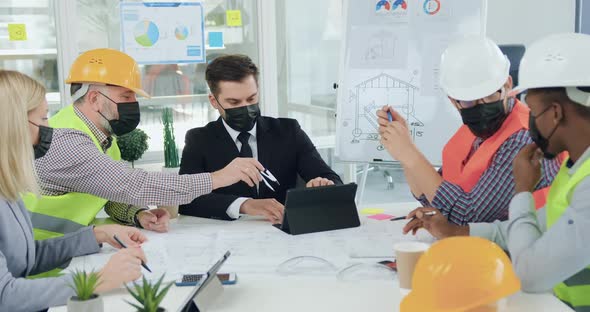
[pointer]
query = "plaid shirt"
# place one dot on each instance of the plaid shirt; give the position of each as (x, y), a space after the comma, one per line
(490, 197)
(104, 140)
(74, 164)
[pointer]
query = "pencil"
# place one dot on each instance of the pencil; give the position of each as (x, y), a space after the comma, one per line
(428, 213)
(123, 245)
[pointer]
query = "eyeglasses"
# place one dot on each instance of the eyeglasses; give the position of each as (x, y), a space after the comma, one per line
(468, 104)
(311, 265)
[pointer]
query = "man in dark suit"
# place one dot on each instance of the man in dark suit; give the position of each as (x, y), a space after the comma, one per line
(280, 145)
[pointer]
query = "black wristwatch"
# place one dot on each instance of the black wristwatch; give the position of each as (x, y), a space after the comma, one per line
(135, 220)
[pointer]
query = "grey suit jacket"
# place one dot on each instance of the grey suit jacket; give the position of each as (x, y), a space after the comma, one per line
(21, 256)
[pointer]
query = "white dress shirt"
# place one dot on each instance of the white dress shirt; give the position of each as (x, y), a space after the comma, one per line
(233, 211)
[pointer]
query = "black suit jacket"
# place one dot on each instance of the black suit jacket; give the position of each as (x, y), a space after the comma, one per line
(283, 148)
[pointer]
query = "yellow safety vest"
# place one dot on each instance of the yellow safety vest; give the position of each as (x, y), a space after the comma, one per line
(575, 291)
(53, 216)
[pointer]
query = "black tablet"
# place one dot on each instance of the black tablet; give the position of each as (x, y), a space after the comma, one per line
(317, 209)
(188, 305)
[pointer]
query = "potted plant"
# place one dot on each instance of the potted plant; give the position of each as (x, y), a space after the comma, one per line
(133, 145)
(85, 299)
(148, 295)
(170, 150)
(171, 161)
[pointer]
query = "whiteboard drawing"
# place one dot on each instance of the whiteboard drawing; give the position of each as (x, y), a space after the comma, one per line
(394, 61)
(379, 48)
(370, 95)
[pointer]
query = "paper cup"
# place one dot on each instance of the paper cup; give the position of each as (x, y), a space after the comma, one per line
(406, 257)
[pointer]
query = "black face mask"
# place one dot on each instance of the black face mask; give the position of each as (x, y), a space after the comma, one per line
(242, 118)
(45, 136)
(540, 141)
(129, 117)
(484, 119)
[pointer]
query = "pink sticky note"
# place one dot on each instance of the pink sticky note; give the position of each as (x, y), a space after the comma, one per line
(380, 217)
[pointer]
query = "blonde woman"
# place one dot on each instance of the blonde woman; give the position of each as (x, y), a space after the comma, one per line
(20, 255)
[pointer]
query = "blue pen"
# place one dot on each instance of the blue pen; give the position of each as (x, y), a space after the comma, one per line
(389, 116)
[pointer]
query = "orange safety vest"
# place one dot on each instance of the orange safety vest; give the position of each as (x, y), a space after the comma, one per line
(467, 174)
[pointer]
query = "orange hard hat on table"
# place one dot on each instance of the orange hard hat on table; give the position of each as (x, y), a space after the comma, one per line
(460, 273)
(107, 66)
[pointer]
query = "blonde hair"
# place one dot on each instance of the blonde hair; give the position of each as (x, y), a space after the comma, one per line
(19, 94)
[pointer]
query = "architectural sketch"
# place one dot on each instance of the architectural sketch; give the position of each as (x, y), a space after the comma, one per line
(380, 47)
(370, 95)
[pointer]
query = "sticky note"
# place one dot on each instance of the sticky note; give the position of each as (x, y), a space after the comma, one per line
(380, 217)
(17, 32)
(233, 17)
(216, 39)
(371, 211)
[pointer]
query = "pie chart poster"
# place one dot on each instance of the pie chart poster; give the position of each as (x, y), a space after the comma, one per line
(163, 32)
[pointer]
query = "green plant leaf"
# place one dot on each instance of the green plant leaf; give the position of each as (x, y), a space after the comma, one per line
(171, 159)
(84, 284)
(135, 294)
(139, 308)
(157, 285)
(133, 145)
(149, 295)
(162, 294)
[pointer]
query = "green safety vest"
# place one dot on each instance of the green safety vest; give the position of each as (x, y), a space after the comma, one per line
(575, 290)
(53, 216)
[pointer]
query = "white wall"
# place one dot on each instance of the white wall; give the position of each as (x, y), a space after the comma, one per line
(524, 21)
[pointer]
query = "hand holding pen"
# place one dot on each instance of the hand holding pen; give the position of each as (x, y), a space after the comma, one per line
(124, 246)
(434, 222)
(239, 169)
(385, 116)
(422, 214)
(122, 267)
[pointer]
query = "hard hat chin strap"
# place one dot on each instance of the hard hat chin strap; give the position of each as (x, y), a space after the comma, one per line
(579, 96)
(80, 92)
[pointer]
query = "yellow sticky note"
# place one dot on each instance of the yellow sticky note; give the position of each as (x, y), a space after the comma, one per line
(17, 32)
(371, 211)
(233, 17)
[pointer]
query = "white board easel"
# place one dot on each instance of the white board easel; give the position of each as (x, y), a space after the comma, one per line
(391, 54)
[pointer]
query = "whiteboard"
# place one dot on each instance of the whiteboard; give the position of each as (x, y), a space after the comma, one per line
(392, 52)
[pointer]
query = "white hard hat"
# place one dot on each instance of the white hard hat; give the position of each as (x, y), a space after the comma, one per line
(560, 60)
(472, 68)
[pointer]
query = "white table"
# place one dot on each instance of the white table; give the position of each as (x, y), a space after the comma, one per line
(273, 292)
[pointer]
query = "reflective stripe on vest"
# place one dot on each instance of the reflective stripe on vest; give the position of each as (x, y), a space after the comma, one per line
(54, 216)
(53, 224)
(467, 174)
(575, 291)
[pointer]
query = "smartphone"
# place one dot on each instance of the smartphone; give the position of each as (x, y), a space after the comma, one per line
(193, 279)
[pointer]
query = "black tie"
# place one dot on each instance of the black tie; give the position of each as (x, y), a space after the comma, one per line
(246, 150)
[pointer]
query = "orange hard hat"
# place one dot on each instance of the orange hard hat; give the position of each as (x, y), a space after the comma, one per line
(460, 273)
(107, 66)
